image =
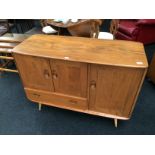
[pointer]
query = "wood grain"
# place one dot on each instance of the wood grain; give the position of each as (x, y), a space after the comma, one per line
(88, 50)
(35, 72)
(98, 77)
(7, 45)
(57, 99)
(115, 89)
(69, 77)
(49, 99)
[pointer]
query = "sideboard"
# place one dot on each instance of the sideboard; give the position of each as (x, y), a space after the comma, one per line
(98, 77)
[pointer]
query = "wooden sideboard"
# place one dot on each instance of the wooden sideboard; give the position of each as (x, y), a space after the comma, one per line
(98, 77)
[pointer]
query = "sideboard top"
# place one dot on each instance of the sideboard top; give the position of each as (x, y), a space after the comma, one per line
(89, 50)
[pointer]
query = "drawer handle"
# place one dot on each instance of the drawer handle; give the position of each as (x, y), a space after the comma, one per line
(37, 95)
(73, 101)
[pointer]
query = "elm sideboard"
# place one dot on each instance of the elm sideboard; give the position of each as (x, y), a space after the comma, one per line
(98, 77)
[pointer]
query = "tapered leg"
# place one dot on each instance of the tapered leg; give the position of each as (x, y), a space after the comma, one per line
(40, 106)
(115, 122)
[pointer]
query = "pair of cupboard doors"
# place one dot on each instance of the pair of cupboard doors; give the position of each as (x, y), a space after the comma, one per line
(104, 90)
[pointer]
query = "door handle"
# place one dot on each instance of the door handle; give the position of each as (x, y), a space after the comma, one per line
(92, 85)
(73, 101)
(37, 95)
(55, 76)
(46, 74)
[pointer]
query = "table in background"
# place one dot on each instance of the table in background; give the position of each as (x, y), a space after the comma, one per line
(81, 28)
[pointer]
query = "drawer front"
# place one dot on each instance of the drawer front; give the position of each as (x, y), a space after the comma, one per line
(58, 100)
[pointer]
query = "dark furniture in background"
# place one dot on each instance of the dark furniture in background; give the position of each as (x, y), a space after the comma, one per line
(141, 30)
(87, 28)
(22, 25)
(151, 70)
(34, 26)
(81, 28)
(4, 26)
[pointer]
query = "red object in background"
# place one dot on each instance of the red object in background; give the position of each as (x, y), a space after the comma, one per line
(142, 30)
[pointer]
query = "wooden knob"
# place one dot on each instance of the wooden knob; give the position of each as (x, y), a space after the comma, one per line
(46, 74)
(37, 95)
(93, 85)
(55, 76)
(73, 101)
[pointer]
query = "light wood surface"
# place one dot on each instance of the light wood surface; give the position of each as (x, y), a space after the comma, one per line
(113, 89)
(8, 70)
(69, 77)
(57, 98)
(5, 50)
(35, 72)
(32, 93)
(115, 122)
(6, 57)
(88, 50)
(87, 75)
(7, 43)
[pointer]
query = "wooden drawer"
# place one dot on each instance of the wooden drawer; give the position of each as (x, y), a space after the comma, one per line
(55, 99)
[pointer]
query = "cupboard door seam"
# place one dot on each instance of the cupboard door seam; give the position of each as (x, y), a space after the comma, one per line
(51, 61)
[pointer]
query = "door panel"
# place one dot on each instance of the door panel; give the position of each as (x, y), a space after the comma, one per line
(113, 89)
(69, 77)
(35, 72)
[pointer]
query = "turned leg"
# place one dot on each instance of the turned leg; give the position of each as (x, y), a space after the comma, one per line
(40, 106)
(115, 122)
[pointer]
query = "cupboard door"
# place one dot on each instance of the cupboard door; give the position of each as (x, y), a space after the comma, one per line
(35, 72)
(113, 89)
(69, 78)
